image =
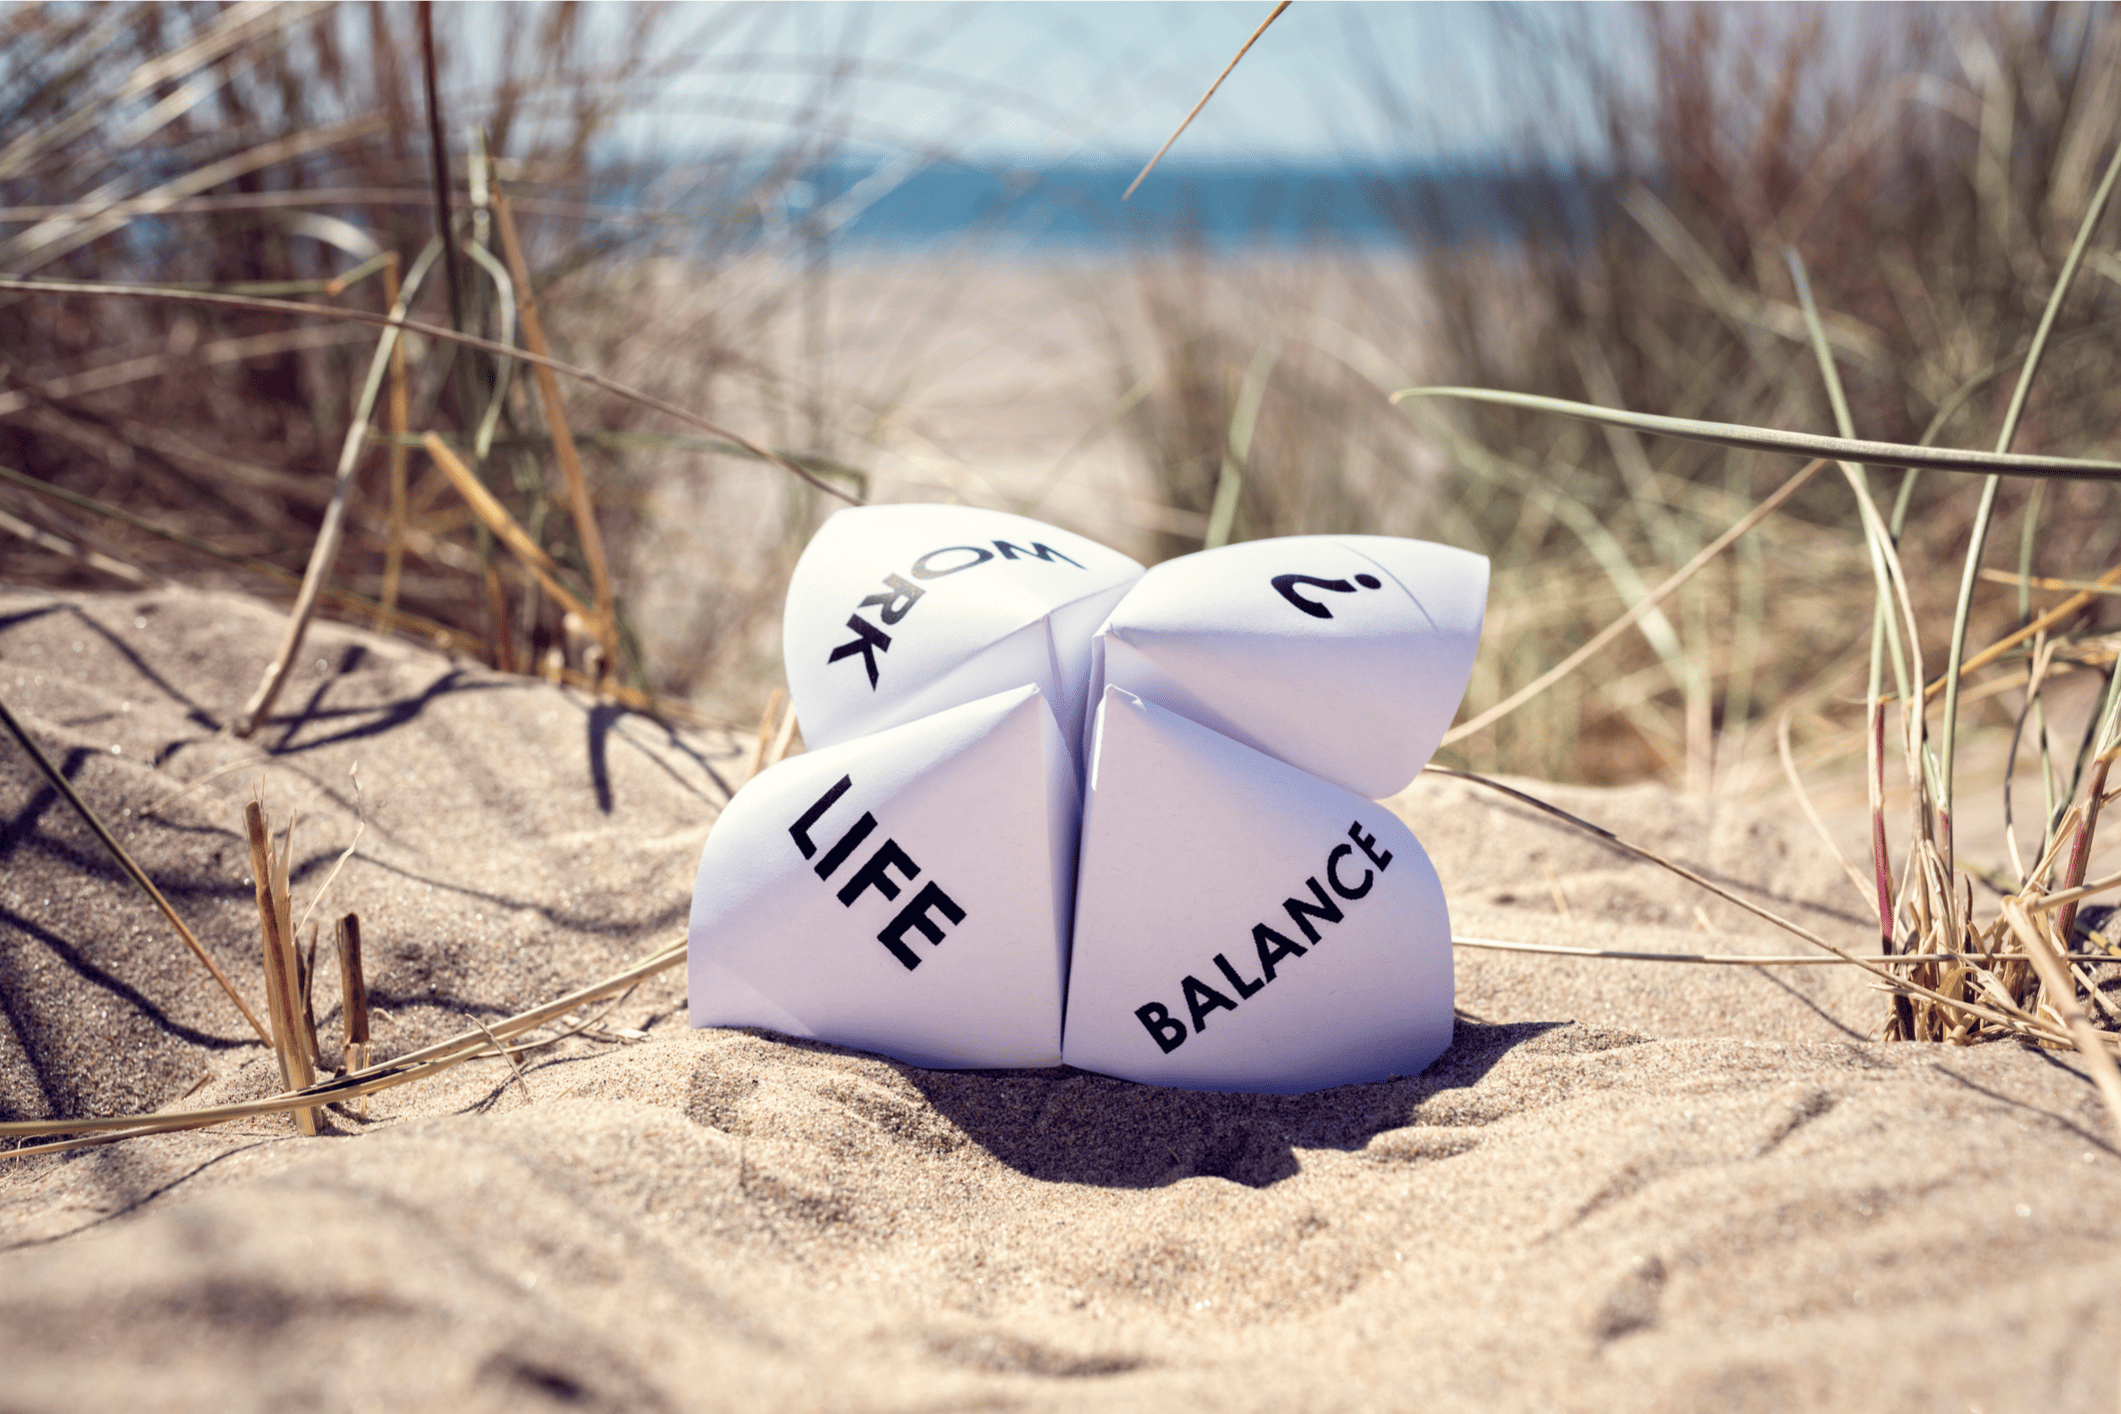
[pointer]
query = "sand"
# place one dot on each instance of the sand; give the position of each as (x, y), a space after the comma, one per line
(1626, 1186)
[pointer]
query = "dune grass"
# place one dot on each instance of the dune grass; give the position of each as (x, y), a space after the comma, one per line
(2011, 972)
(1786, 246)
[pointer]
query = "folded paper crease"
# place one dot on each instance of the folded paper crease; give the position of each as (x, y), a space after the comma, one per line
(1057, 807)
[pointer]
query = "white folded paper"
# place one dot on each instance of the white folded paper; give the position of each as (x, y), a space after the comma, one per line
(895, 612)
(1226, 910)
(907, 892)
(1345, 655)
(1243, 925)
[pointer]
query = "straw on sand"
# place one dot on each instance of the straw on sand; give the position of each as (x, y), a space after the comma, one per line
(133, 871)
(417, 1065)
(563, 447)
(353, 983)
(283, 979)
(503, 525)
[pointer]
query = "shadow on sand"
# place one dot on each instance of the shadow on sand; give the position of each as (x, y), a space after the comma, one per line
(1069, 1126)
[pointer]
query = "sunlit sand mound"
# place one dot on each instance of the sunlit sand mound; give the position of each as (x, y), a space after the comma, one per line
(1627, 1185)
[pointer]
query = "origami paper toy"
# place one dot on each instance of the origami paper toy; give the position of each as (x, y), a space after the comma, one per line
(895, 612)
(907, 892)
(1345, 655)
(1243, 925)
(985, 698)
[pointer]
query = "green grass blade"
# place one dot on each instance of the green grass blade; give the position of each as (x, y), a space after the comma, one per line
(1885, 629)
(1964, 607)
(1582, 522)
(1796, 444)
(1230, 486)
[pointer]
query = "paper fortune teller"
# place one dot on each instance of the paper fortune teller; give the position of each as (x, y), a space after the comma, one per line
(1228, 909)
(895, 612)
(906, 892)
(1243, 925)
(1345, 655)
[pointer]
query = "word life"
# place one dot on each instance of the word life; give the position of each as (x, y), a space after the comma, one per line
(898, 596)
(1285, 586)
(916, 916)
(1271, 948)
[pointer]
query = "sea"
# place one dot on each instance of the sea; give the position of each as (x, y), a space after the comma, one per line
(896, 208)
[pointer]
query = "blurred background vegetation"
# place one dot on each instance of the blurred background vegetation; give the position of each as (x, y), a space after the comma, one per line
(1930, 165)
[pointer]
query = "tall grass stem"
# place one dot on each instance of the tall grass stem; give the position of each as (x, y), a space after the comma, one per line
(1963, 608)
(563, 447)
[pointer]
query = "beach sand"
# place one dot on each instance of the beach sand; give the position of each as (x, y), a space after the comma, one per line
(1626, 1185)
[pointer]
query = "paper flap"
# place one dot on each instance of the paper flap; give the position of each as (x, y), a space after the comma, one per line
(897, 893)
(1242, 925)
(889, 601)
(1343, 655)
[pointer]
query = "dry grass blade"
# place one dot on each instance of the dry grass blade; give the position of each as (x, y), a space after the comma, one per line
(326, 550)
(2063, 989)
(353, 993)
(470, 1043)
(400, 454)
(1187, 121)
(1649, 602)
(2076, 603)
(785, 737)
(416, 1066)
(563, 447)
(74, 550)
(1874, 799)
(1618, 955)
(230, 30)
(104, 377)
(324, 889)
(2080, 850)
(503, 525)
(1811, 813)
(438, 154)
(2072, 895)
(756, 762)
(299, 1044)
(1769, 439)
(439, 634)
(336, 196)
(1651, 856)
(579, 1027)
(1977, 539)
(617, 389)
(1728, 959)
(51, 241)
(2053, 586)
(283, 988)
(125, 861)
(2020, 1022)
(1887, 575)
(308, 960)
(515, 1067)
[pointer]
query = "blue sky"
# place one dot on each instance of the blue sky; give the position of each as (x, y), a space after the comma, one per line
(1106, 82)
